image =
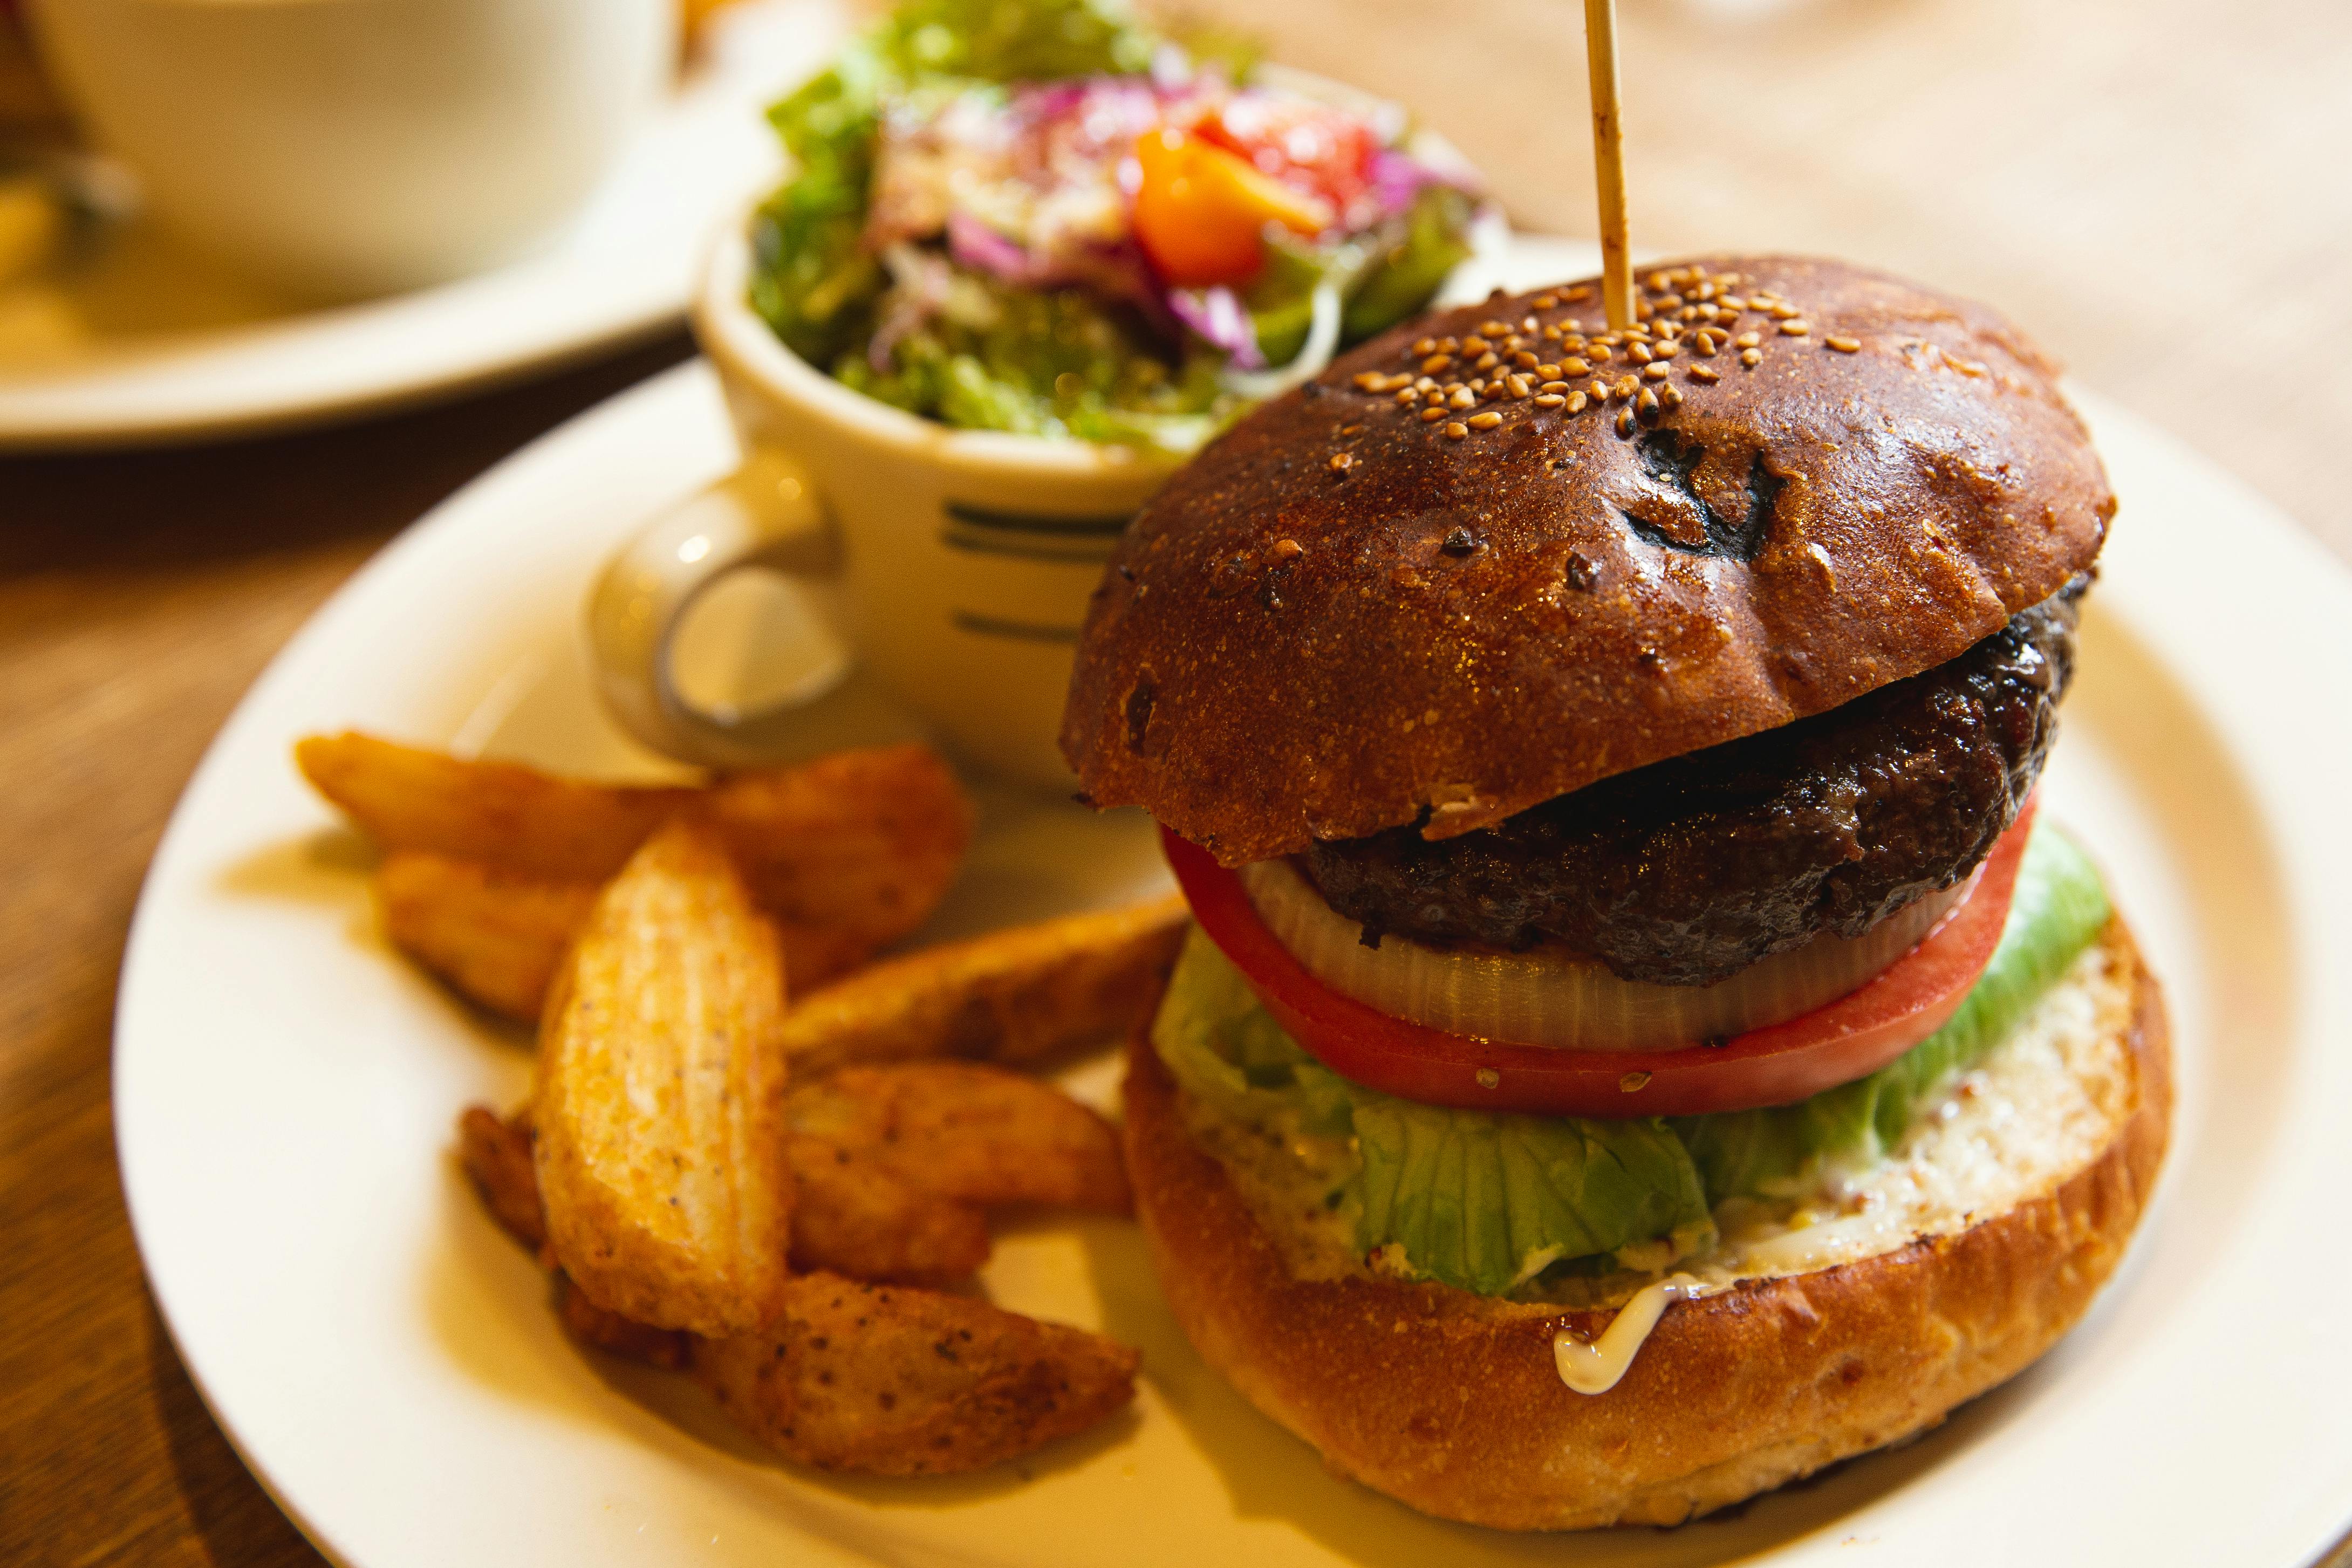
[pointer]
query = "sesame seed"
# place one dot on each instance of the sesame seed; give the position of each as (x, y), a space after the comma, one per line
(1549, 400)
(1427, 346)
(1527, 323)
(1551, 334)
(1795, 329)
(1547, 373)
(1341, 462)
(1288, 550)
(1423, 383)
(1351, 429)
(1525, 360)
(1844, 345)
(1782, 311)
(1435, 363)
(1598, 350)
(1407, 398)
(1545, 301)
(1371, 380)
(1625, 421)
(1576, 402)
(1456, 431)
(1646, 405)
(1658, 371)
(1449, 345)
(1553, 386)
(1514, 344)
(1487, 363)
(1633, 1082)
(1706, 373)
(1598, 388)
(1639, 354)
(1574, 295)
(1487, 420)
(1432, 416)
(1670, 398)
(1660, 282)
(1463, 398)
(1520, 386)
(1667, 350)
(1731, 302)
(1626, 387)
(1574, 367)
(1751, 358)
(1748, 339)
(1493, 328)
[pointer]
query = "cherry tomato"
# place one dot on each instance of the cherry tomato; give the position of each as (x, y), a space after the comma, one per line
(1836, 1043)
(1305, 145)
(1201, 212)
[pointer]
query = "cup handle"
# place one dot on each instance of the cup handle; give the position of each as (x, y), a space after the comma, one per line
(765, 514)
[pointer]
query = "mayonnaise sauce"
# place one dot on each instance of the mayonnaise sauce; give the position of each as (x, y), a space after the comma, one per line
(1595, 1367)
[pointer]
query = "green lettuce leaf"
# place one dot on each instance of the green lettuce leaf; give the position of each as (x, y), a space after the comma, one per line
(1484, 1201)
(2058, 909)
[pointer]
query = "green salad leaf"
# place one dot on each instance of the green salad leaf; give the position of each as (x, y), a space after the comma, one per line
(1484, 1201)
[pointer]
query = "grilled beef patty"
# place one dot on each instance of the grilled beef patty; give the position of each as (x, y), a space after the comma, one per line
(1687, 871)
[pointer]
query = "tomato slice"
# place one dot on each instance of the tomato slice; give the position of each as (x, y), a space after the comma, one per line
(1304, 144)
(1836, 1043)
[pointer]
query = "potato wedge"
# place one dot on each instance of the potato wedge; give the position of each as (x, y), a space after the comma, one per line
(1019, 996)
(862, 844)
(496, 936)
(850, 1214)
(658, 1109)
(855, 1216)
(501, 813)
(966, 1130)
(899, 1382)
(496, 1152)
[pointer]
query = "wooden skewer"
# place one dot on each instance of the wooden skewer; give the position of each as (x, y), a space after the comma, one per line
(1609, 161)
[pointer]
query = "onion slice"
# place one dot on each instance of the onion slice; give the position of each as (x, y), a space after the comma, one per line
(1547, 997)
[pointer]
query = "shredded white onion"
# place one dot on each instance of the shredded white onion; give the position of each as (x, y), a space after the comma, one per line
(1322, 338)
(1544, 997)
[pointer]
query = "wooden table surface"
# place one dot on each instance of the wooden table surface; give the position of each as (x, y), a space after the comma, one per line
(2153, 188)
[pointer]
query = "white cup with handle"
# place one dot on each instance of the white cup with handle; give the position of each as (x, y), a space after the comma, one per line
(346, 148)
(953, 565)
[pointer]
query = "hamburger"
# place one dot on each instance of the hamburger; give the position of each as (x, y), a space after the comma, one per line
(1639, 1043)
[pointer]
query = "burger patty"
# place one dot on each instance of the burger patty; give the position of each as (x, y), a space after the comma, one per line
(1687, 871)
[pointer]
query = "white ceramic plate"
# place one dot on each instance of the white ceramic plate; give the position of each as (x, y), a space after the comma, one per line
(387, 1362)
(125, 340)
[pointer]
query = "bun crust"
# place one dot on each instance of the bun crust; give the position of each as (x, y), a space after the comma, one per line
(1449, 1401)
(1286, 646)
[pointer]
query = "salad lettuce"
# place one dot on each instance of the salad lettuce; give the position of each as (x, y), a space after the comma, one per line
(1486, 1202)
(959, 235)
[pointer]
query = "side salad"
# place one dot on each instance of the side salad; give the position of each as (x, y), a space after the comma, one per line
(1042, 217)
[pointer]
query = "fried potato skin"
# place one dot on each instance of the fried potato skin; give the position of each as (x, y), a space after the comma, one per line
(658, 1109)
(501, 813)
(496, 1152)
(859, 847)
(967, 1131)
(853, 1215)
(497, 936)
(849, 853)
(895, 1381)
(1019, 996)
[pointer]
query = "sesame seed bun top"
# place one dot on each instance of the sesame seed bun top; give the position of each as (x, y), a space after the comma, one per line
(1418, 584)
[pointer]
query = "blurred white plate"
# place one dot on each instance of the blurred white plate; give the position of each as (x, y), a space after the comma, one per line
(387, 1362)
(120, 338)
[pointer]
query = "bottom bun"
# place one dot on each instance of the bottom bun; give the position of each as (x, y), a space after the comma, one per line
(1450, 1402)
